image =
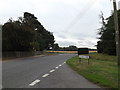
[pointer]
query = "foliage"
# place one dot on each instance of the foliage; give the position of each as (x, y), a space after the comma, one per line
(17, 36)
(0, 27)
(70, 48)
(26, 34)
(0, 37)
(107, 35)
(55, 47)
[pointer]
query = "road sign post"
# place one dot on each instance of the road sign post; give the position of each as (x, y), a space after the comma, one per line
(81, 52)
(83, 56)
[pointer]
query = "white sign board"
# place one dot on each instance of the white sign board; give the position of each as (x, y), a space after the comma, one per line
(83, 56)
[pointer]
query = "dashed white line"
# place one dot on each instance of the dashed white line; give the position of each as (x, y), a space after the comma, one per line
(34, 82)
(56, 67)
(64, 62)
(45, 75)
(52, 70)
(60, 65)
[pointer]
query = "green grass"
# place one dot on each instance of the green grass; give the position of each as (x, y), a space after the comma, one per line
(102, 69)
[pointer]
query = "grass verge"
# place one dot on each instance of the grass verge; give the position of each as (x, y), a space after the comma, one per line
(102, 69)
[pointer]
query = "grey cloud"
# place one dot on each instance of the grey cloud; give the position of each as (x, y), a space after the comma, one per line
(66, 43)
(67, 19)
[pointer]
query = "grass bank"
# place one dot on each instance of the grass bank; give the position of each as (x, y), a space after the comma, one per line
(102, 69)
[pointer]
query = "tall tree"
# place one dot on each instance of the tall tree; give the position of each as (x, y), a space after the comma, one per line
(17, 36)
(55, 46)
(107, 36)
(44, 38)
(26, 34)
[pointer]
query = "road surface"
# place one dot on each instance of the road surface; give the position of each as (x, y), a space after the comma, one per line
(42, 72)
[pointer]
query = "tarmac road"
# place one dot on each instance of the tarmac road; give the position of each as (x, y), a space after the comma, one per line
(42, 72)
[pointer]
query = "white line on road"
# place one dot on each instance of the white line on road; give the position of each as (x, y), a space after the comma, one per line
(52, 70)
(34, 82)
(45, 75)
(60, 65)
(64, 62)
(56, 67)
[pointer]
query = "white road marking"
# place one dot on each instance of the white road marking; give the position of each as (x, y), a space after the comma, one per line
(56, 67)
(64, 62)
(45, 75)
(52, 70)
(60, 65)
(34, 82)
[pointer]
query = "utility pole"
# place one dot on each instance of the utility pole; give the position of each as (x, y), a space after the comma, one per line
(117, 36)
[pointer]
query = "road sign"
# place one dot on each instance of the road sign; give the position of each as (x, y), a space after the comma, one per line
(83, 56)
(83, 51)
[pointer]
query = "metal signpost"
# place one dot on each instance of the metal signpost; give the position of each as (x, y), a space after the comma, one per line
(85, 57)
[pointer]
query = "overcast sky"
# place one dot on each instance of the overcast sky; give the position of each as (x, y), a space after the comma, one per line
(73, 22)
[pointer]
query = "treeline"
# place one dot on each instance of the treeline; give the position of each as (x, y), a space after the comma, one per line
(26, 34)
(107, 43)
(69, 48)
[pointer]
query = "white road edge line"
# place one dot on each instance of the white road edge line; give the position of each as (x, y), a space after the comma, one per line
(52, 70)
(34, 82)
(45, 75)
